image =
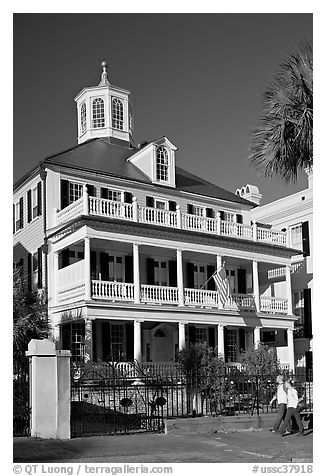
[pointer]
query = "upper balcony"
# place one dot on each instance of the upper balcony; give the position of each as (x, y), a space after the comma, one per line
(133, 212)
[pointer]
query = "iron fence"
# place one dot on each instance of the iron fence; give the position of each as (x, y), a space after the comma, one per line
(21, 406)
(128, 397)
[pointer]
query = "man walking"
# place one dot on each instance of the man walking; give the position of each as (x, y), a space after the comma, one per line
(292, 405)
(281, 398)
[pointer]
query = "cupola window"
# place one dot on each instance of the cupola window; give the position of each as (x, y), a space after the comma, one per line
(98, 113)
(117, 114)
(83, 118)
(162, 164)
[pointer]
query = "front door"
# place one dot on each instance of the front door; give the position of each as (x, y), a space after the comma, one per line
(163, 344)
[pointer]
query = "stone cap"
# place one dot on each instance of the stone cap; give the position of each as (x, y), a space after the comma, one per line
(41, 347)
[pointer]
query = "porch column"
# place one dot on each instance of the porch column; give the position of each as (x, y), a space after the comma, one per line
(255, 280)
(135, 248)
(55, 290)
(218, 266)
(180, 278)
(88, 340)
(137, 341)
(182, 336)
(288, 288)
(87, 258)
(220, 341)
(290, 348)
(256, 336)
(249, 341)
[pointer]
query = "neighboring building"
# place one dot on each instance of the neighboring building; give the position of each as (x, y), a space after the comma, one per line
(125, 244)
(295, 213)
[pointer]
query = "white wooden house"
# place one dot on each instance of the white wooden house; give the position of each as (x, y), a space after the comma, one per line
(125, 243)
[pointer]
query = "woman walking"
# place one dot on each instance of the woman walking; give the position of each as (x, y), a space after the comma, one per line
(292, 403)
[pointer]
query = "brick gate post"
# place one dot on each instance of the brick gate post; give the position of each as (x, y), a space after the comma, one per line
(49, 376)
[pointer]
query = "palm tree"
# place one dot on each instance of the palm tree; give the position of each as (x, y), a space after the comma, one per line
(282, 144)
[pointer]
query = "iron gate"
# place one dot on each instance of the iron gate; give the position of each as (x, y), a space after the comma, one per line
(115, 399)
(21, 406)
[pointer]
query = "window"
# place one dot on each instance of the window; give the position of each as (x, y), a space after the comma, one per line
(34, 270)
(201, 335)
(83, 118)
(117, 114)
(98, 113)
(296, 236)
(229, 217)
(231, 275)
(162, 164)
(77, 341)
(114, 195)
(116, 269)
(199, 211)
(160, 273)
(117, 342)
(75, 191)
(199, 276)
(160, 204)
(231, 345)
(17, 218)
(34, 203)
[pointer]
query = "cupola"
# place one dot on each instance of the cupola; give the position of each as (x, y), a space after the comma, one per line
(104, 111)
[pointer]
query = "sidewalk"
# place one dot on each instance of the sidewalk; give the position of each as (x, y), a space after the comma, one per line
(247, 446)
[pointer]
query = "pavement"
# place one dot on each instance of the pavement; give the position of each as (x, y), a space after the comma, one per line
(245, 446)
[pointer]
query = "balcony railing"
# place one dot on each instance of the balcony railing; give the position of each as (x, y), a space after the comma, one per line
(240, 302)
(273, 305)
(177, 220)
(200, 297)
(112, 290)
(159, 294)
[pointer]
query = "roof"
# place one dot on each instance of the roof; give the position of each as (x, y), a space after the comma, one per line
(99, 155)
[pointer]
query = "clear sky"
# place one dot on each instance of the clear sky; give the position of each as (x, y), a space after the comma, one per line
(196, 78)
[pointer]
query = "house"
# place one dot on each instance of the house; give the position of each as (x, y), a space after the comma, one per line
(295, 213)
(126, 244)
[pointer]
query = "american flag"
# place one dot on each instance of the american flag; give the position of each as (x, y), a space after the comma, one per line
(222, 284)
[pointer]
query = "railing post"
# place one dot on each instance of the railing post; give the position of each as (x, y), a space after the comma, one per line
(220, 341)
(256, 336)
(290, 348)
(179, 220)
(85, 200)
(218, 222)
(254, 231)
(134, 209)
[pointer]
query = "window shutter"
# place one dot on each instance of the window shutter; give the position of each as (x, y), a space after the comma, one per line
(93, 265)
(226, 353)
(64, 189)
(173, 281)
(129, 269)
(305, 239)
(242, 282)
(91, 190)
(222, 214)
(29, 206)
(211, 282)
(211, 337)
(239, 218)
(149, 202)
(172, 206)
(242, 339)
(128, 197)
(308, 355)
(190, 209)
(106, 342)
(65, 257)
(190, 275)
(209, 212)
(39, 268)
(21, 212)
(29, 272)
(150, 270)
(66, 336)
(39, 199)
(104, 193)
(192, 334)
(130, 342)
(104, 266)
(307, 313)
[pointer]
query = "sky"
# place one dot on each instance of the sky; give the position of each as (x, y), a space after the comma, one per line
(198, 79)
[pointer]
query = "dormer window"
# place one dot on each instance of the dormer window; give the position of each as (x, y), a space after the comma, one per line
(83, 118)
(162, 164)
(98, 113)
(117, 114)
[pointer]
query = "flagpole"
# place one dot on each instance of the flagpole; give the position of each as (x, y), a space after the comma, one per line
(208, 280)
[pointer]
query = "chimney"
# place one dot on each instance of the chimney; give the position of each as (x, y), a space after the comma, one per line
(249, 192)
